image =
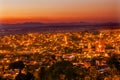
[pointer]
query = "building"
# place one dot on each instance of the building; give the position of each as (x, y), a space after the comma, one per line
(100, 46)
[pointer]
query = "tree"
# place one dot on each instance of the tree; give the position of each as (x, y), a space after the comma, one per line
(42, 73)
(17, 65)
(20, 76)
(29, 76)
(65, 68)
(113, 62)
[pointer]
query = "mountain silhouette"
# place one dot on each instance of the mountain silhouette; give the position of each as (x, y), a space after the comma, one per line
(54, 27)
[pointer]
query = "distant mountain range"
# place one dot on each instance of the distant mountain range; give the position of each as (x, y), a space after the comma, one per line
(54, 27)
(62, 24)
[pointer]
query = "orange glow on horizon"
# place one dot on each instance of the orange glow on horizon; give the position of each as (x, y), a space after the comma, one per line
(59, 11)
(88, 16)
(54, 20)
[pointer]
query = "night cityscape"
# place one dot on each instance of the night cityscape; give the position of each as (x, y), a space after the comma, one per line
(59, 40)
(92, 51)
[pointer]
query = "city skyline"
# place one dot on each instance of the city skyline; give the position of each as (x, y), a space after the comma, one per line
(14, 11)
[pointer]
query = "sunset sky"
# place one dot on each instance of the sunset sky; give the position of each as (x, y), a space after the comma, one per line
(15, 11)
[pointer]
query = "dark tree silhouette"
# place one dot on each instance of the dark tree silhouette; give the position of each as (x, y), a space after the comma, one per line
(65, 68)
(114, 62)
(42, 73)
(17, 65)
(30, 76)
(20, 76)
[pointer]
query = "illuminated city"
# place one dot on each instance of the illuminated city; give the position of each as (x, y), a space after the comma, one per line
(59, 39)
(38, 49)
